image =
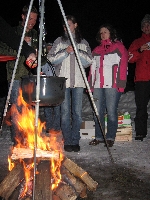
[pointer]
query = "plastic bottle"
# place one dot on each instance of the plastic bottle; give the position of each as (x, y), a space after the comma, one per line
(127, 119)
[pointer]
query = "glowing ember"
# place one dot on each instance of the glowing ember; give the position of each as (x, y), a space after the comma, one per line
(28, 181)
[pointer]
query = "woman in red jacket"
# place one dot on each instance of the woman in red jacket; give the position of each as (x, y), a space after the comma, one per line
(139, 53)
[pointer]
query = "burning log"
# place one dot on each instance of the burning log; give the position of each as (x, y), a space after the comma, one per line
(80, 173)
(11, 181)
(55, 197)
(48, 183)
(65, 192)
(21, 153)
(15, 194)
(22, 183)
(43, 181)
(76, 183)
(83, 194)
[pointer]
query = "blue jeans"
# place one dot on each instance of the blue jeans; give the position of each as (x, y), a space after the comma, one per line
(71, 119)
(52, 116)
(107, 100)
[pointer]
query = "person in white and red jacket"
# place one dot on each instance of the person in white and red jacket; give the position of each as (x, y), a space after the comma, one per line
(139, 53)
(107, 78)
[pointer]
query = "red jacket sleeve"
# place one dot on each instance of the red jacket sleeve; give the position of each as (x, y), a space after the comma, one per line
(121, 80)
(133, 54)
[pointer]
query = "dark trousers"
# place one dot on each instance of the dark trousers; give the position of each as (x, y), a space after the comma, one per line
(142, 95)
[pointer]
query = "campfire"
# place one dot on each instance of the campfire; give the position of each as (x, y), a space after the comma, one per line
(57, 177)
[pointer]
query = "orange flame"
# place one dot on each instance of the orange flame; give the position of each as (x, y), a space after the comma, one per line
(10, 164)
(55, 165)
(25, 121)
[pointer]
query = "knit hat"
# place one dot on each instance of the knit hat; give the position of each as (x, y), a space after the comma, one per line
(146, 19)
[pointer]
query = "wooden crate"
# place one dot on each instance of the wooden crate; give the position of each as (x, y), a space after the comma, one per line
(87, 125)
(124, 134)
(87, 133)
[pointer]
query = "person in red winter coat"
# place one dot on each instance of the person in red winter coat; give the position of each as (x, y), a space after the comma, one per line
(139, 53)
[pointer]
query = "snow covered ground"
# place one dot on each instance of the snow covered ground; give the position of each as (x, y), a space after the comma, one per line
(127, 178)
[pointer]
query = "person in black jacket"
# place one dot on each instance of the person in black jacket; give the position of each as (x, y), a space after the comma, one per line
(9, 36)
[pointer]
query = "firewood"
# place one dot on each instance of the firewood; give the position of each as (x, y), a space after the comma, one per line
(72, 180)
(11, 181)
(65, 192)
(55, 197)
(83, 194)
(80, 173)
(22, 153)
(15, 194)
(43, 181)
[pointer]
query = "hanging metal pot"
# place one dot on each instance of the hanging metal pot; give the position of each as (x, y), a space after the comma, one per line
(52, 90)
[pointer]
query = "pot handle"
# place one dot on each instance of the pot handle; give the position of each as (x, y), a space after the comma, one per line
(51, 66)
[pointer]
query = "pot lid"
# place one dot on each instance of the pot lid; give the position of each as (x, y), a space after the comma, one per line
(4, 58)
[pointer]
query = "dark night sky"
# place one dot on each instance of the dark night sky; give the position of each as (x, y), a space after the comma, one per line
(125, 15)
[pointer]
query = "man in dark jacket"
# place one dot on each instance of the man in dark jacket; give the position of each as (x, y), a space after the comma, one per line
(22, 69)
(139, 53)
(30, 38)
(10, 37)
